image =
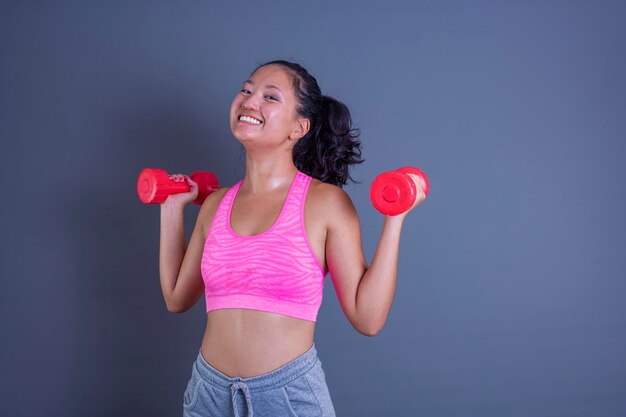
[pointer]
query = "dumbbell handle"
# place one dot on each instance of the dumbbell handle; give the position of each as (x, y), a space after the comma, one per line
(154, 185)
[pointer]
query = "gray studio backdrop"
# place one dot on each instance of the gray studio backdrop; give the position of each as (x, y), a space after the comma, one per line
(510, 293)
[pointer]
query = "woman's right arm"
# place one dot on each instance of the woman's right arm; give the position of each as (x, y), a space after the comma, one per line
(179, 266)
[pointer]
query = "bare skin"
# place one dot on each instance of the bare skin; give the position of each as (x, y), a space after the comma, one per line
(244, 342)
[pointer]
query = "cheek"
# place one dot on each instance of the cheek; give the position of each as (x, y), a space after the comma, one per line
(235, 104)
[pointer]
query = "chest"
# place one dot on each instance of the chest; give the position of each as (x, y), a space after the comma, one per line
(252, 216)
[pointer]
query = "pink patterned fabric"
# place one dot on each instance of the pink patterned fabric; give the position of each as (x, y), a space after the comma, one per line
(275, 271)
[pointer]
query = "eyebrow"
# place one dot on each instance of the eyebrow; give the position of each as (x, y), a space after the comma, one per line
(268, 85)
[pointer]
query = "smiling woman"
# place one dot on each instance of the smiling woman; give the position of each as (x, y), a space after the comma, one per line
(330, 145)
(261, 249)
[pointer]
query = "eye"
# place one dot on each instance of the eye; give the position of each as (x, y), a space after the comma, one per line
(271, 97)
(243, 90)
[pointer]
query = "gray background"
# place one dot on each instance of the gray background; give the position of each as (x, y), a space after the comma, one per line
(510, 286)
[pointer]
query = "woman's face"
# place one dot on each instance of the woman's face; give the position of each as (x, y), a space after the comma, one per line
(268, 98)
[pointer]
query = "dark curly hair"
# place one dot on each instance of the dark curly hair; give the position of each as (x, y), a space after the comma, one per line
(331, 145)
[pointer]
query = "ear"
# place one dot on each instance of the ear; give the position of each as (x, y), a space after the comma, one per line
(302, 128)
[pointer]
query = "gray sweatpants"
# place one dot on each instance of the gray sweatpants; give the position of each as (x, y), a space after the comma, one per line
(296, 389)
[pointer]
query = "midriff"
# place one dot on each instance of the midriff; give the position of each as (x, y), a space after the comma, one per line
(246, 343)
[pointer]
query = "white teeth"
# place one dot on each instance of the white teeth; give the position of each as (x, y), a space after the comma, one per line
(250, 119)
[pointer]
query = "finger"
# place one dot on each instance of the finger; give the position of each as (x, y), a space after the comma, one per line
(416, 180)
(419, 181)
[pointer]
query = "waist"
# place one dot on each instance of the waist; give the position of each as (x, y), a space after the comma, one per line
(247, 343)
(280, 376)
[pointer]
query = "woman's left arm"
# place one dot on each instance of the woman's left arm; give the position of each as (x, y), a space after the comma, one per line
(365, 293)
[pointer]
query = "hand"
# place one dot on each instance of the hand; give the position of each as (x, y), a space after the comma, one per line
(419, 196)
(182, 198)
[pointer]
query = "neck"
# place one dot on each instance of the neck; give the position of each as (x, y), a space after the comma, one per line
(267, 173)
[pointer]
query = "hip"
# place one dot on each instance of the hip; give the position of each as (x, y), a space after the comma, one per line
(296, 389)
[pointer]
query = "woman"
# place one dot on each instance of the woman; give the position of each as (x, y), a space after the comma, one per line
(261, 249)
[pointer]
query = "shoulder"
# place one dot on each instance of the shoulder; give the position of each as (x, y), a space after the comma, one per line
(209, 207)
(213, 199)
(328, 192)
(331, 200)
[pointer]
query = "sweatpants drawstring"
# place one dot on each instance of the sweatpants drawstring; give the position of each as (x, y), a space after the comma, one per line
(246, 392)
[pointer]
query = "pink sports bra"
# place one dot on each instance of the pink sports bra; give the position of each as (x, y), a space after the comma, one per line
(274, 271)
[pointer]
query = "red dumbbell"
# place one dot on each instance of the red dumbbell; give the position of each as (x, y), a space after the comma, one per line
(154, 185)
(394, 192)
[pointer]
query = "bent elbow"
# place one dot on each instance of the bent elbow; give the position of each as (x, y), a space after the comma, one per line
(370, 331)
(174, 308)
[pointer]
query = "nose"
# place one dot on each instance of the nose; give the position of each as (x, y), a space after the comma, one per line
(251, 102)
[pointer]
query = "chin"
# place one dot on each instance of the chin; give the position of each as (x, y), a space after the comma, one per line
(243, 139)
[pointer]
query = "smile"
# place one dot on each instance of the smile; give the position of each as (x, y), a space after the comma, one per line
(250, 120)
